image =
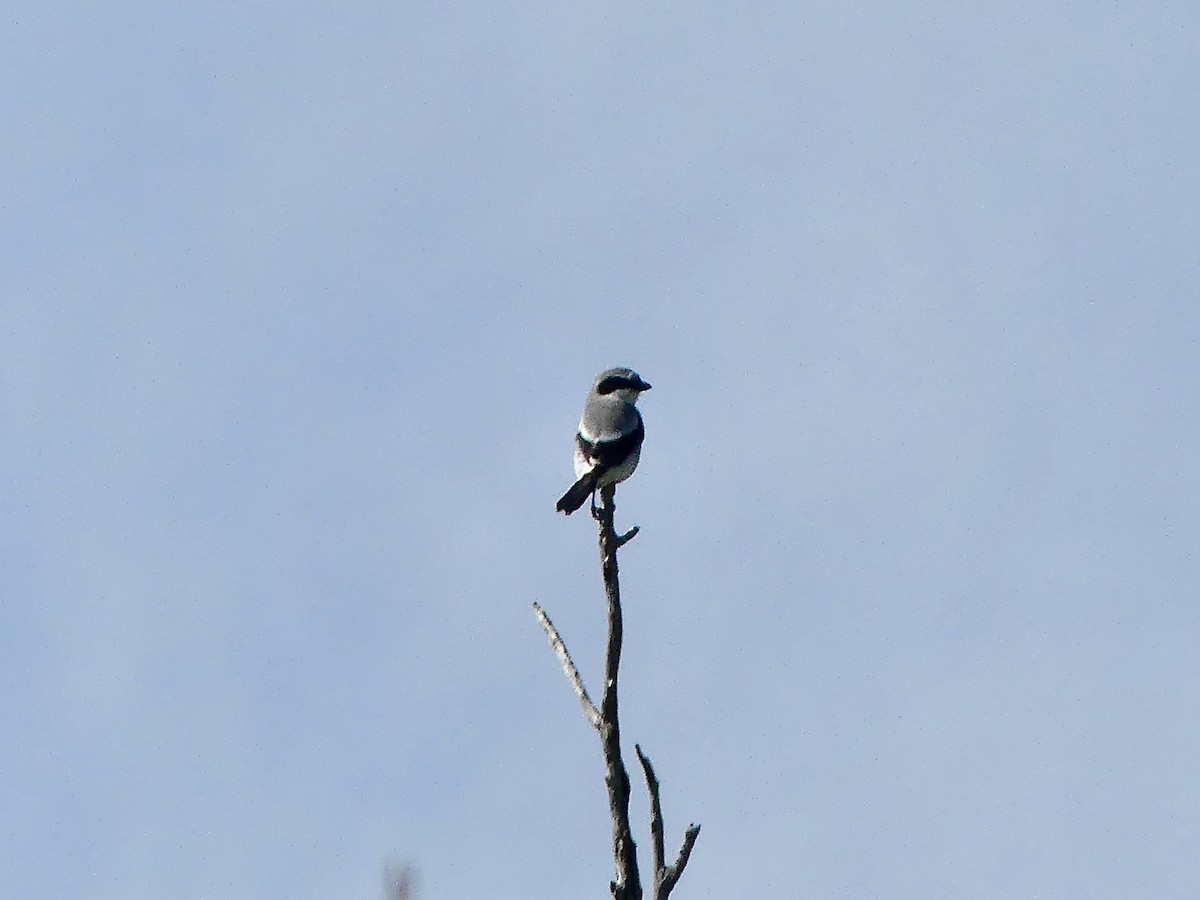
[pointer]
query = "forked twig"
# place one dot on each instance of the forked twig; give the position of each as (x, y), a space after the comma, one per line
(664, 876)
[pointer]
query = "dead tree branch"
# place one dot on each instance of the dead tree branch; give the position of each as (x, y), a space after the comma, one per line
(568, 664)
(627, 883)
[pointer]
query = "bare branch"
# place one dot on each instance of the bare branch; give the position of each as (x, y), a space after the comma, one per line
(671, 873)
(568, 664)
(656, 819)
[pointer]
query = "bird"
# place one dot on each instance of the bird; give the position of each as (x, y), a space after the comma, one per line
(608, 443)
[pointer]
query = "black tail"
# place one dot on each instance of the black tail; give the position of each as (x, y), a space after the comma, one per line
(577, 493)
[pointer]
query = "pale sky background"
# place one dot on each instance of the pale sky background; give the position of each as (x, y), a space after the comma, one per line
(300, 305)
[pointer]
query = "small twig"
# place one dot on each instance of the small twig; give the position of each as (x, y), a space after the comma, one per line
(568, 664)
(604, 513)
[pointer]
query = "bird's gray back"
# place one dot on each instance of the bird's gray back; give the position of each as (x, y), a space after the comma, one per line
(608, 418)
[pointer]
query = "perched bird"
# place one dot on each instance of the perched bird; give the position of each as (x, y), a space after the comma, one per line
(609, 441)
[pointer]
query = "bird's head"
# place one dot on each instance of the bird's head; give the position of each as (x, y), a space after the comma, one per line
(623, 383)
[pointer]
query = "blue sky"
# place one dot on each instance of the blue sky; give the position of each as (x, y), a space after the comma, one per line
(300, 305)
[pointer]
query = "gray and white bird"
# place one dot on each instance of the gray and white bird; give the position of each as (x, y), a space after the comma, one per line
(609, 442)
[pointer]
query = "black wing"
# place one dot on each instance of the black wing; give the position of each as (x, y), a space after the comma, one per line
(609, 454)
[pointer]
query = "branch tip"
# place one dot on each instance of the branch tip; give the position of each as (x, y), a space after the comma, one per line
(671, 875)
